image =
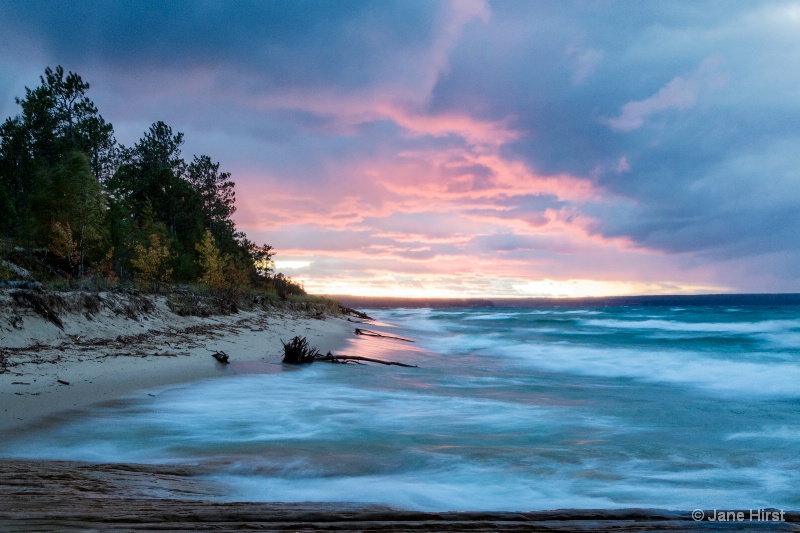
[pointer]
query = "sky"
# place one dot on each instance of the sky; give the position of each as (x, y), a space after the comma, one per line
(465, 148)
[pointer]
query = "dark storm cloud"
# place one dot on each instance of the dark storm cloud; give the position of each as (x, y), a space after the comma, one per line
(291, 43)
(653, 102)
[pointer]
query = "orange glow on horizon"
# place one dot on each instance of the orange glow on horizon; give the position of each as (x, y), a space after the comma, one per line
(458, 288)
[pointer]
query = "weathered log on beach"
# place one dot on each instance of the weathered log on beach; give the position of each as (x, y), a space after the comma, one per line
(345, 358)
(359, 314)
(370, 333)
(299, 352)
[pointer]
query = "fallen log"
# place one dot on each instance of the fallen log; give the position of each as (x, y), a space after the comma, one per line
(299, 352)
(369, 333)
(329, 357)
(359, 314)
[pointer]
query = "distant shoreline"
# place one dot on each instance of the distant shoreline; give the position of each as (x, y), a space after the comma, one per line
(689, 300)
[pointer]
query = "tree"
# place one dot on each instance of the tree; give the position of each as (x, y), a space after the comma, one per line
(66, 186)
(69, 196)
(62, 243)
(57, 119)
(220, 273)
(151, 177)
(148, 169)
(16, 175)
(152, 262)
(211, 262)
(216, 191)
(261, 257)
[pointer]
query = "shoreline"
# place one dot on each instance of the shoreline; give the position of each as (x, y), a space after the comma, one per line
(102, 356)
(105, 355)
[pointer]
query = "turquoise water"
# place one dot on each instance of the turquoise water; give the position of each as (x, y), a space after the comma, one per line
(510, 409)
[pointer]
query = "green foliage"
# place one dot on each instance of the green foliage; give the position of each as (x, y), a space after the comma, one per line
(70, 202)
(286, 287)
(79, 203)
(217, 196)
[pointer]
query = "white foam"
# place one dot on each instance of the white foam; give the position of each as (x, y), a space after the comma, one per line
(773, 379)
(759, 327)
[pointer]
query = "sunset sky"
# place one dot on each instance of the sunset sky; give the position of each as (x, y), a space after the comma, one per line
(465, 148)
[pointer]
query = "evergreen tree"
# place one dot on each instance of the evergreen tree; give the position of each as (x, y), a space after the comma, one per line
(57, 119)
(68, 190)
(70, 200)
(216, 190)
(150, 183)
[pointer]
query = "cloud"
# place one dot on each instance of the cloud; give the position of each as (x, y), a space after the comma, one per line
(586, 62)
(679, 94)
(480, 145)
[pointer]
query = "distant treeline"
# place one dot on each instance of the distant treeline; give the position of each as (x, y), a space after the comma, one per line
(77, 204)
(658, 300)
(684, 300)
(393, 302)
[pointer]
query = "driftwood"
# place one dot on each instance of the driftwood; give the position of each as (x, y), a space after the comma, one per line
(329, 357)
(369, 333)
(220, 356)
(359, 314)
(299, 352)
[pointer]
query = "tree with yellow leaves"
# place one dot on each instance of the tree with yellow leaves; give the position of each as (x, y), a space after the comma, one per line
(211, 262)
(220, 273)
(62, 244)
(151, 262)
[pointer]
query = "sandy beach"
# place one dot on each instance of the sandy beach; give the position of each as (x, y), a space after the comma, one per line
(114, 345)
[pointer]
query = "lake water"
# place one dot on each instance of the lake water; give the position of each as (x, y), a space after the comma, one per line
(510, 409)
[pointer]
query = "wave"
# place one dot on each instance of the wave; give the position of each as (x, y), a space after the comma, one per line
(759, 327)
(766, 379)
